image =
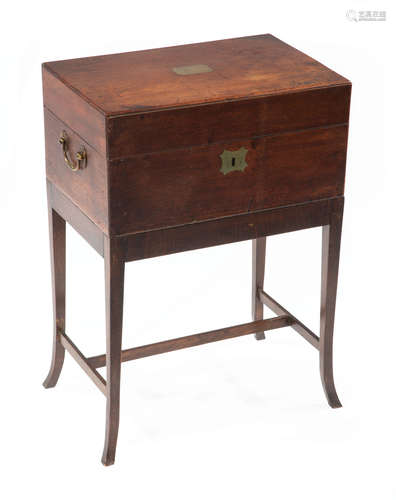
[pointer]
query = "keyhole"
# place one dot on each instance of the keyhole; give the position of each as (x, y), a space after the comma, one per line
(233, 162)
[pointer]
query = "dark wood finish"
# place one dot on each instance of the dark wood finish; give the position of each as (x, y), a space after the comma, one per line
(136, 82)
(156, 163)
(195, 340)
(181, 186)
(331, 241)
(76, 218)
(87, 187)
(258, 269)
(131, 134)
(70, 107)
(229, 229)
(114, 279)
(57, 231)
(299, 327)
(152, 182)
(77, 355)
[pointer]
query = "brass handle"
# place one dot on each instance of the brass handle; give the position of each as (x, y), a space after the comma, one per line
(81, 156)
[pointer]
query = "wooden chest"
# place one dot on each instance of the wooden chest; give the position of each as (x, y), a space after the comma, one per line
(161, 151)
(198, 132)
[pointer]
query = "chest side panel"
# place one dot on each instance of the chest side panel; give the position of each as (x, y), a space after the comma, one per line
(185, 185)
(87, 188)
(74, 111)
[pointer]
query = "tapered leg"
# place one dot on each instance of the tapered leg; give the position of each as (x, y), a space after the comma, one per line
(258, 268)
(114, 278)
(331, 239)
(57, 230)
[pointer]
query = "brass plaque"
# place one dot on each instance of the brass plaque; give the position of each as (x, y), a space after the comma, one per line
(233, 160)
(192, 70)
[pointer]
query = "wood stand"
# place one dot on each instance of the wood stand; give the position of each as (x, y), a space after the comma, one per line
(120, 249)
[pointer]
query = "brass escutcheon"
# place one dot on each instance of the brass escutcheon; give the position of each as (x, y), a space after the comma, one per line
(233, 160)
(81, 156)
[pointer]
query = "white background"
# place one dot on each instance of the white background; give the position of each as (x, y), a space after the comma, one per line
(236, 419)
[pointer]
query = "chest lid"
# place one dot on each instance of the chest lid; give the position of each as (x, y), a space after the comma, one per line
(189, 75)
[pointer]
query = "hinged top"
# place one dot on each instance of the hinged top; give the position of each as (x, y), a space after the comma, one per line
(188, 75)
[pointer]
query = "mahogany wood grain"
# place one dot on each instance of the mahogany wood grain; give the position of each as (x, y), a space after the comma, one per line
(157, 164)
(76, 218)
(129, 135)
(86, 187)
(114, 284)
(195, 340)
(77, 355)
(182, 186)
(135, 82)
(152, 184)
(258, 269)
(229, 229)
(57, 231)
(331, 241)
(299, 327)
(72, 108)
